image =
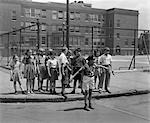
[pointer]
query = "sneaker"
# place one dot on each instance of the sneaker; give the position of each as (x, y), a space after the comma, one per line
(73, 92)
(31, 92)
(86, 108)
(50, 91)
(108, 91)
(23, 92)
(15, 92)
(90, 106)
(82, 92)
(28, 92)
(54, 92)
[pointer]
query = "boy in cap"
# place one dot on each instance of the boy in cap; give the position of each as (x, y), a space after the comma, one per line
(78, 62)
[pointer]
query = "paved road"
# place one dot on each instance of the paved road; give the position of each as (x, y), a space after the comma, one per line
(134, 109)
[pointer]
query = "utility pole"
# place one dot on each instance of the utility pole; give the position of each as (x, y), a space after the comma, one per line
(92, 40)
(38, 34)
(47, 40)
(63, 34)
(8, 51)
(67, 24)
(20, 44)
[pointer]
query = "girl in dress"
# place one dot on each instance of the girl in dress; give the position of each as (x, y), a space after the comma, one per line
(29, 71)
(16, 72)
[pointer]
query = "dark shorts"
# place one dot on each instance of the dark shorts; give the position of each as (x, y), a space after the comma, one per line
(65, 78)
(54, 74)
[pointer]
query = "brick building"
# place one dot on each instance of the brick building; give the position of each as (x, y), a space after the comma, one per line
(106, 25)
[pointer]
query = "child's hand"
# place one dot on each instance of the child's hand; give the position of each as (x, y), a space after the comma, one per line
(113, 72)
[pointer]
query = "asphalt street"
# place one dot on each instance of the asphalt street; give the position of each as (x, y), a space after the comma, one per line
(135, 109)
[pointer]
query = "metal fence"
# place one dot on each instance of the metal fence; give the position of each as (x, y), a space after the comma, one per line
(122, 41)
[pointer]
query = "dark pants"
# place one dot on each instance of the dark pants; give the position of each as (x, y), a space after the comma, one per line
(105, 78)
(78, 77)
(64, 80)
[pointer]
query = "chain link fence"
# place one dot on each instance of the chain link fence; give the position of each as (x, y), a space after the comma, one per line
(37, 35)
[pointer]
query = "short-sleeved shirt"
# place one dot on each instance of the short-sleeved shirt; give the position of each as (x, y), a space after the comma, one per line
(105, 60)
(78, 62)
(63, 59)
(52, 63)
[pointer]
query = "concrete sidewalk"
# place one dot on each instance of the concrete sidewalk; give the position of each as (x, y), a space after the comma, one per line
(122, 84)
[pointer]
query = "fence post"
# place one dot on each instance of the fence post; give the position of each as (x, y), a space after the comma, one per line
(38, 34)
(63, 34)
(20, 44)
(92, 39)
(67, 24)
(47, 40)
(134, 48)
(8, 51)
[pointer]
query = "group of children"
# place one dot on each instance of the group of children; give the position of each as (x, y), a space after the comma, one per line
(47, 66)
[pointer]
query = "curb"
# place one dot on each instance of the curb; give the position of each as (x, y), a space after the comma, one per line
(5, 67)
(61, 99)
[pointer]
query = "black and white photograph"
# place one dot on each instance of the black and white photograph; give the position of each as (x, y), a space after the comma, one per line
(74, 61)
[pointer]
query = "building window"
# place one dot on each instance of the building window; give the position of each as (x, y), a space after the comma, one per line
(71, 15)
(86, 41)
(110, 23)
(95, 18)
(99, 18)
(43, 27)
(77, 29)
(13, 29)
(75, 41)
(32, 12)
(32, 41)
(22, 24)
(59, 28)
(88, 30)
(43, 40)
(54, 28)
(118, 23)
(118, 35)
(27, 24)
(110, 35)
(54, 15)
(102, 31)
(87, 17)
(77, 16)
(13, 15)
(99, 43)
(43, 13)
(37, 13)
(132, 43)
(33, 28)
(60, 15)
(126, 43)
(103, 42)
(71, 29)
(27, 12)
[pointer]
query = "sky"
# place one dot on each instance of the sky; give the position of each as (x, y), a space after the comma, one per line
(141, 5)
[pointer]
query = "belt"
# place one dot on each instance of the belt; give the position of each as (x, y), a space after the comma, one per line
(53, 68)
(107, 65)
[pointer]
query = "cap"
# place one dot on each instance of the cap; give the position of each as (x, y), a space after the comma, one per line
(78, 50)
(106, 49)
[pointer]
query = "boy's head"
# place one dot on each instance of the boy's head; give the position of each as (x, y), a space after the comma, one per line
(106, 50)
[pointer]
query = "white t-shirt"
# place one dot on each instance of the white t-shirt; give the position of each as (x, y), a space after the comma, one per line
(52, 63)
(105, 60)
(63, 59)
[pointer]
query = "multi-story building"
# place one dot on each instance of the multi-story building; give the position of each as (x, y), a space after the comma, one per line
(89, 27)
